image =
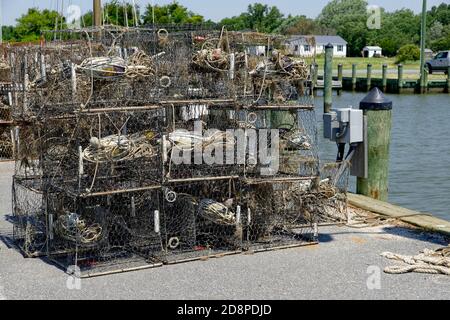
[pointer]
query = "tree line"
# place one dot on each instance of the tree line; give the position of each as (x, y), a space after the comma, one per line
(346, 18)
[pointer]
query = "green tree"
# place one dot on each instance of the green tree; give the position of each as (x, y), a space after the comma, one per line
(349, 19)
(441, 44)
(9, 33)
(398, 28)
(171, 13)
(436, 31)
(236, 22)
(263, 18)
(298, 25)
(439, 13)
(30, 25)
(409, 52)
(259, 17)
(116, 13)
(438, 19)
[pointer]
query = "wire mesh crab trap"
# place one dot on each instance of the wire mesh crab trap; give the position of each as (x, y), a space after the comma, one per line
(6, 145)
(164, 144)
(99, 235)
(333, 192)
(26, 144)
(278, 215)
(201, 220)
(125, 67)
(99, 152)
(29, 220)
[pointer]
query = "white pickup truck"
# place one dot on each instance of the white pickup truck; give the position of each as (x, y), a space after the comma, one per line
(440, 62)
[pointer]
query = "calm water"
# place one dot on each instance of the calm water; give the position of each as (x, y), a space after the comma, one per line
(420, 150)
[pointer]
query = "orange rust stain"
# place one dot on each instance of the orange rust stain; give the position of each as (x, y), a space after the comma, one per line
(358, 240)
(375, 194)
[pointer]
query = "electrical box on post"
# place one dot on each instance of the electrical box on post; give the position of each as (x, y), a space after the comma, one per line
(344, 125)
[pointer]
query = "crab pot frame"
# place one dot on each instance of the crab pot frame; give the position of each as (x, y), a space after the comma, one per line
(104, 234)
(6, 144)
(200, 220)
(101, 152)
(29, 219)
(336, 175)
(103, 118)
(139, 67)
(275, 215)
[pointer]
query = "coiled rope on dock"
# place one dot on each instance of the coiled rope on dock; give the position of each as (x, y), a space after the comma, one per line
(428, 261)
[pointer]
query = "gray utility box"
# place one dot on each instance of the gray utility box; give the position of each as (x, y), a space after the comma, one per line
(344, 125)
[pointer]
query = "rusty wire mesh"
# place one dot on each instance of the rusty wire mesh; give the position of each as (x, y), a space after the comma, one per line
(109, 123)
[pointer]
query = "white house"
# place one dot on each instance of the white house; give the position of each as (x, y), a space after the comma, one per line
(372, 51)
(308, 46)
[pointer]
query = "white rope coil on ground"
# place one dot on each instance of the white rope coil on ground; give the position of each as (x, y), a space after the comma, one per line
(120, 148)
(428, 261)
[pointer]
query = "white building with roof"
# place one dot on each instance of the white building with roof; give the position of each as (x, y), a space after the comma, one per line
(372, 51)
(308, 46)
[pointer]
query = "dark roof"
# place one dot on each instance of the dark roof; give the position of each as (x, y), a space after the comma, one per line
(321, 40)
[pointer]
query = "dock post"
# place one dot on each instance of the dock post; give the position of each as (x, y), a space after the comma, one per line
(97, 12)
(400, 78)
(315, 74)
(328, 79)
(340, 77)
(423, 33)
(369, 76)
(354, 77)
(97, 17)
(378, 111)
(424, 83)
(385, 66)
(448, 80)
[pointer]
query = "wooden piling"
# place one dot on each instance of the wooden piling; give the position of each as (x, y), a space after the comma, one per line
(385, 66)
(423, 34)
(354, 77)
(369, 76)
(378, 110)
(340, 76)
(328, 79)
(448, 80)
(424, 82)
(97, 12)
(316, 74)
(400, 78)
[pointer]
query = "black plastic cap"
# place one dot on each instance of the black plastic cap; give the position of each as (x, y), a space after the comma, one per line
(329, 46)
(375, 100)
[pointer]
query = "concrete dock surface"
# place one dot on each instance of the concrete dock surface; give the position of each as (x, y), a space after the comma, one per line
(345, 265)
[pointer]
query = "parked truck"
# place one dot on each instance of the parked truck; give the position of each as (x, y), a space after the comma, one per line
(440, 62)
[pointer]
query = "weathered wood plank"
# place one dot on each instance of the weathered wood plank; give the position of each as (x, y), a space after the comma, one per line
(419, 219)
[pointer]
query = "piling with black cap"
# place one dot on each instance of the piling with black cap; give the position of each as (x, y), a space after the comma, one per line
(378, 111)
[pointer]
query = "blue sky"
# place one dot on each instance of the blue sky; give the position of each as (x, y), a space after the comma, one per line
(211, 9)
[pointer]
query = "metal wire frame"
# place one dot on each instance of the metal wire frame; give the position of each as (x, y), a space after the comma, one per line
(104, 234)
(29, 221)
(57, 77)
(276, 215)
(95, 104)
